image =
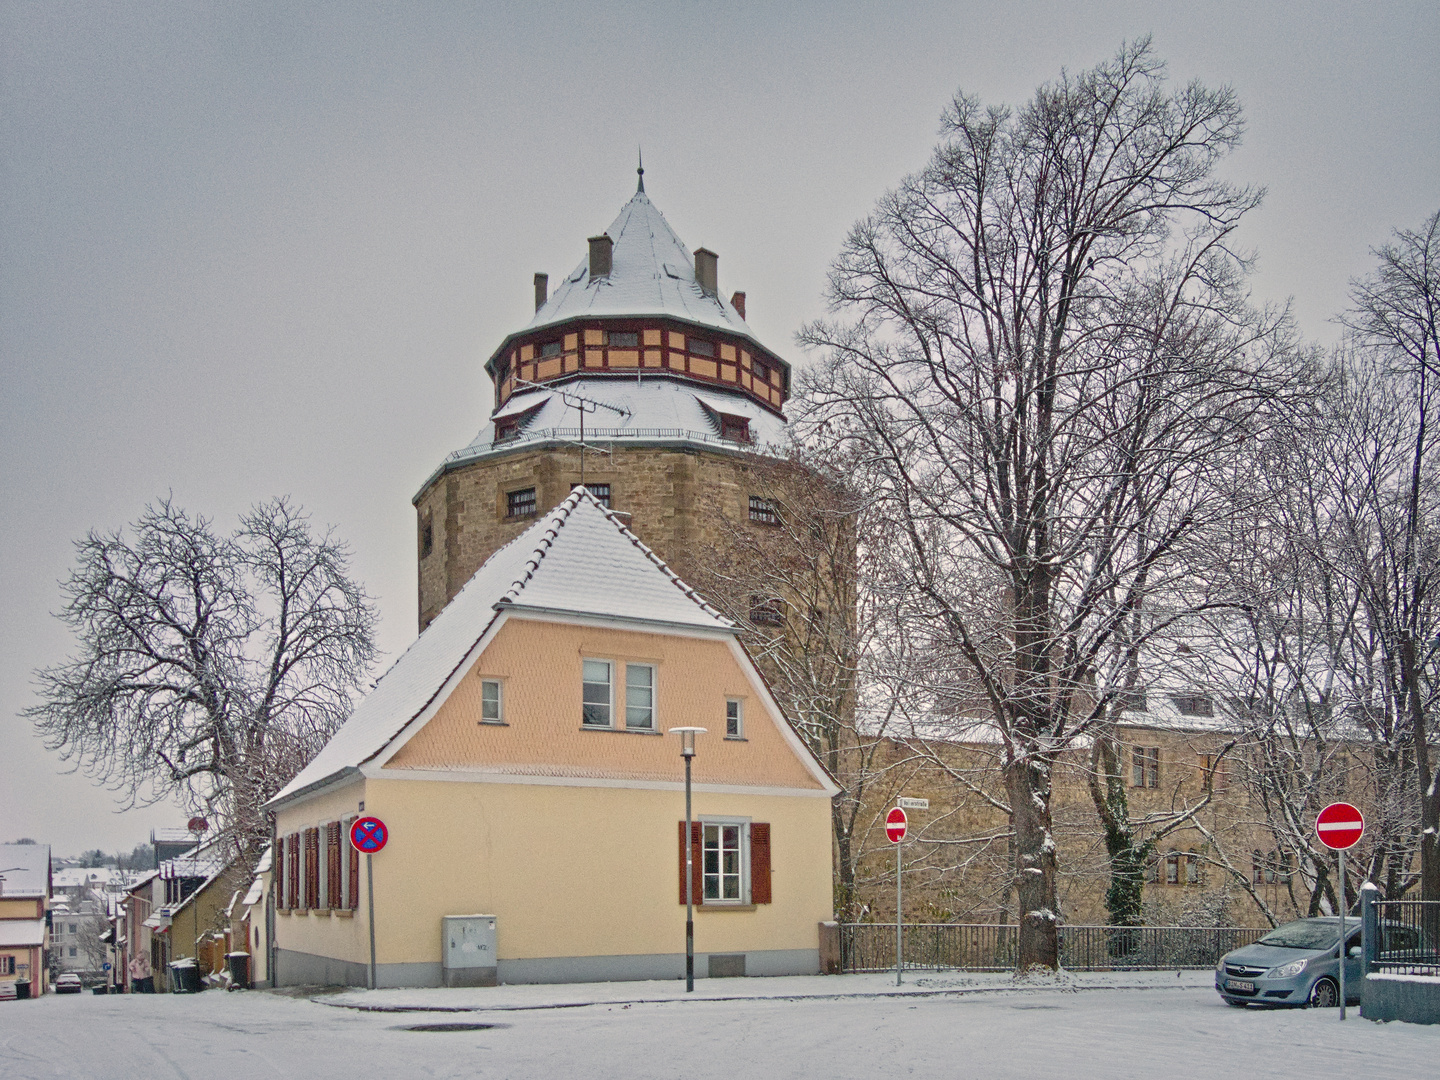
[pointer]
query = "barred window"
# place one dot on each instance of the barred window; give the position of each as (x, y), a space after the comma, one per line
(520, 503)
(763, 511)
(601, 493)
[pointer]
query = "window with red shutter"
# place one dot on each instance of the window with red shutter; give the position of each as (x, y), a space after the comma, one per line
(759, 863)
(696, 863)
(312, 868)
(332, 865)
(292, 871)
(278, 876)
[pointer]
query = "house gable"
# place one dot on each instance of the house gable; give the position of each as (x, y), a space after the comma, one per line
(538, 663)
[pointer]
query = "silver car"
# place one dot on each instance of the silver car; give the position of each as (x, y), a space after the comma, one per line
(1295, 964)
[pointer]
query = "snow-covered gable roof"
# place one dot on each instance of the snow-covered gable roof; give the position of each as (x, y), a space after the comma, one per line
(30, 875)
(651, 273)
(578, 560)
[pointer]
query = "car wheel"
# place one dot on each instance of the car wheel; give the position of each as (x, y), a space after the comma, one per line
(1325, 994)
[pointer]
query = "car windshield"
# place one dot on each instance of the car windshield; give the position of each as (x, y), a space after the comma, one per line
(1305, 934)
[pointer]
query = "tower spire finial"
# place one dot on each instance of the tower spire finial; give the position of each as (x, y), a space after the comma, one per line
(640, 172)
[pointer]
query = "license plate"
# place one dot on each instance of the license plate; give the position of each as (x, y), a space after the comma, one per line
(1239, 984)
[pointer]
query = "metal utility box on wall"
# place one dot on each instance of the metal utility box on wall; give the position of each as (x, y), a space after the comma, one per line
(468, 950)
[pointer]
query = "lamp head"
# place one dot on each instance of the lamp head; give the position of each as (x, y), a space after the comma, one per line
(687, 739)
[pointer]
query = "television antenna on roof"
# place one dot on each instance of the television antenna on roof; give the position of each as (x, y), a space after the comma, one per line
(581, 404)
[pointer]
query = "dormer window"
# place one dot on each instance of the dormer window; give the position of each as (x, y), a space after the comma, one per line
(734, 428)
(507, 429)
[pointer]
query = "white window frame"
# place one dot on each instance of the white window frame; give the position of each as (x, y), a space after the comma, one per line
(609, 724)
(743, 824)
(737, 706)
(653, 723)
(499, 685)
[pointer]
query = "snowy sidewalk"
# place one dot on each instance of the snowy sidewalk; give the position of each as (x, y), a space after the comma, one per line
(785, 988)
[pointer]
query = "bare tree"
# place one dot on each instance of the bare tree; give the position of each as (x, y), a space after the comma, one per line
(1396, 317)
(208, 668)
(1042, 344)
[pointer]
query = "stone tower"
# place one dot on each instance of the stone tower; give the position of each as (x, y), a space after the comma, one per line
(637, 378)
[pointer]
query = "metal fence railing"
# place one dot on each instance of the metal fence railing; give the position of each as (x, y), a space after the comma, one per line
(1407, 937)
(981, 947)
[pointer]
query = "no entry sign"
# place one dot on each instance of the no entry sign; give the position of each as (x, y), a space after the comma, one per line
(895, 825)
(368, 834)
(1340, 826)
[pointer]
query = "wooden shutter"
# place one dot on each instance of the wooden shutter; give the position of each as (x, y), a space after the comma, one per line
(353, 893)
(759, 863)
(697, 866)
(332, 865)
(312, 868)
(278, 875)
(292, 871)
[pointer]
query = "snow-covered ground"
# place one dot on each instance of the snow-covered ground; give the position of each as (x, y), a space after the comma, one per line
(829, 1028)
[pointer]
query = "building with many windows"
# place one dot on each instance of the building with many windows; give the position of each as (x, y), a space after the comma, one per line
(517, 755)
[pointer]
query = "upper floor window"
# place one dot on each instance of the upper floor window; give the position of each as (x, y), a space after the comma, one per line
(1131, 701)
(507, 429)
(1214, 774)
(623, 339)
(597, 694)
(1145, 766)
(763, 511)
(734, 719)
(702, 348)
(550, 348)
(760, 371)
(520, 503)
(427, 535)
(640, 696)
(767, 611)
(491, 702)
(601, 493)
(1193, 704)
(734, 428)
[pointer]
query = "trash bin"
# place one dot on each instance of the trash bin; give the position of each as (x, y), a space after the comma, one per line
(101, 988)
(22, 989)
(239, 963)
(184, 976)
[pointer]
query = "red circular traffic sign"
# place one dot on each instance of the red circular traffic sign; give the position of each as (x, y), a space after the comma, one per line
(1340, 826)
(895, 825)
(368, 834)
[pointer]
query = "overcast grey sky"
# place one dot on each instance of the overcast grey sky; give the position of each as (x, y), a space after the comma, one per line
(256, 248)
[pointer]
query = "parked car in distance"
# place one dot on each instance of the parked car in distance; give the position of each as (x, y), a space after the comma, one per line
(69, 983)
(9, 993)
(1294, 964)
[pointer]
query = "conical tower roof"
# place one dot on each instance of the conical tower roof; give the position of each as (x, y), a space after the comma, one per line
(652, 273)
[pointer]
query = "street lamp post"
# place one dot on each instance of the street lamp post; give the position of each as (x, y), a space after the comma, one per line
(687, 751)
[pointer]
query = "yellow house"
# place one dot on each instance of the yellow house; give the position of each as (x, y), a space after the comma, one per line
(517, 755)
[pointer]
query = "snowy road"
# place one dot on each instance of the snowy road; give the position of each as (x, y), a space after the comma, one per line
(1109, 1034)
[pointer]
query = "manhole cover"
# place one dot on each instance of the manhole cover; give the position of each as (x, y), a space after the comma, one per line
(455, 1026)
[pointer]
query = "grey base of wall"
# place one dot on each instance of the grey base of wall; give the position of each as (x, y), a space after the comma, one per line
(304, 969)
(1398, 997)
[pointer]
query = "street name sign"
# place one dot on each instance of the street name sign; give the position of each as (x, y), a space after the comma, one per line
(1340, 826)
(369, 835)
(907, 803)
(895, 824)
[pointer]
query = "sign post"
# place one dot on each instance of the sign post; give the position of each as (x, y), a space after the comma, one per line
(1340, 827)
(895, 824)
(369, 835)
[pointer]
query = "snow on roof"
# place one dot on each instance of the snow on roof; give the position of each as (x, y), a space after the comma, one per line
(651, 273)
(26, 868)
(204, 861)
(577, 560)
(18, 933)
(654, 409)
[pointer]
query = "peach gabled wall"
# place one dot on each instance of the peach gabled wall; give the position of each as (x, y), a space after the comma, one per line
(539, 666)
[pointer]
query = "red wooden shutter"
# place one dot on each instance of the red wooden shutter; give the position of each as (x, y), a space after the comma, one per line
(292, 871)
(312, 868)
(332, 865)
(698, 864)
(759, 863)
(277, 861)
(353, 895)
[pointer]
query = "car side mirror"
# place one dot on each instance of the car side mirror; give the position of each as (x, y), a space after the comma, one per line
(1355, 950)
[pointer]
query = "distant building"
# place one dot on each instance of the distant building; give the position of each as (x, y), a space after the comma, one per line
(25, 873)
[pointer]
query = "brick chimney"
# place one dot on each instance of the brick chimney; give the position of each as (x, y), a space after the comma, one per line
(707, 271)
(738, 303)
(542, 290)
(600, 251)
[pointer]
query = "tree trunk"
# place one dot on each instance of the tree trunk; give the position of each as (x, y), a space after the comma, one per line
(1027, 781)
